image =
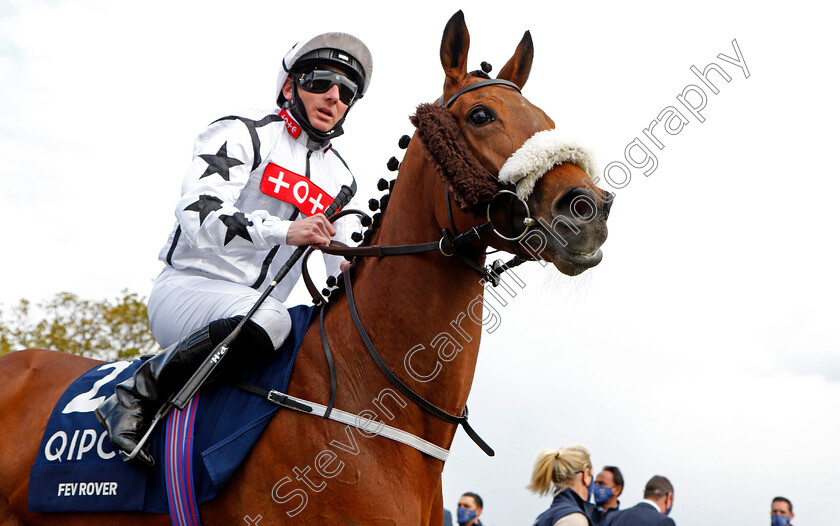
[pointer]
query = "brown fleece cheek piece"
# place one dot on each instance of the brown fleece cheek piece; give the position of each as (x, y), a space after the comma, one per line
(468, 182)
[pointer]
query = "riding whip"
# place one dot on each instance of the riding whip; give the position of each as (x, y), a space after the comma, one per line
(210, 363)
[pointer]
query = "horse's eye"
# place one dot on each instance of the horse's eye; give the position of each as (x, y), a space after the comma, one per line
(481, 116)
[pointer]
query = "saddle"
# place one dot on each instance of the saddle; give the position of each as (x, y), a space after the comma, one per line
(77, 470)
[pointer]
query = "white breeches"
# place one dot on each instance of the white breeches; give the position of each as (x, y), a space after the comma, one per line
(182, 302)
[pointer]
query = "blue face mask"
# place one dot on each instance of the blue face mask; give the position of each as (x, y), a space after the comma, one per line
(602, 494)
(779, 520)
(465, 515)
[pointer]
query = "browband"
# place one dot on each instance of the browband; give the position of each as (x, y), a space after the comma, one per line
(477, 85)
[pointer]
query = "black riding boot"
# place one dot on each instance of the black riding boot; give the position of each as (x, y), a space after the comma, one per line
(128, 413)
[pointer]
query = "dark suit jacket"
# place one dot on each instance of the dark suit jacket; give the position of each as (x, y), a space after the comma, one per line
(642, 514)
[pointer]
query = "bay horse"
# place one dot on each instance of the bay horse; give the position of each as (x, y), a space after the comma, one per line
(309, 469)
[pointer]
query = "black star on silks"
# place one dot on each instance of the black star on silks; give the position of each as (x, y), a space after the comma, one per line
(204, 206)
(237, 225)
(219, 163)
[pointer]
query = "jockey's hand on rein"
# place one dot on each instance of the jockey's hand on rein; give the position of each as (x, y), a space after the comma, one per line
(313, 230)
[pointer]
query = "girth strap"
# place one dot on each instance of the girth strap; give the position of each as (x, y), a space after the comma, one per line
(273, 396)
(337, 415)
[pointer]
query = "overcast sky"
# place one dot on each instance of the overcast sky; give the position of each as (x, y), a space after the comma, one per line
(704, 347)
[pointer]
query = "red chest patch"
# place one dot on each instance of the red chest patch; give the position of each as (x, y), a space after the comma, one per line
(294, 189)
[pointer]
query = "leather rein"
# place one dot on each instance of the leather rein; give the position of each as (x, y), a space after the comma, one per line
(451, 243)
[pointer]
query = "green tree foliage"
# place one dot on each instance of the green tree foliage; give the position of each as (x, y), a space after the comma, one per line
(106, 330)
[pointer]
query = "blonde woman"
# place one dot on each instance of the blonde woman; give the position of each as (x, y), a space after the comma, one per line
(567, 473)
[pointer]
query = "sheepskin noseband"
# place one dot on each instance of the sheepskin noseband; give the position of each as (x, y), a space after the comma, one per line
(542, 152)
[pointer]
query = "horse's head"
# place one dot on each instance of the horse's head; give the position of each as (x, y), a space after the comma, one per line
(485, 126)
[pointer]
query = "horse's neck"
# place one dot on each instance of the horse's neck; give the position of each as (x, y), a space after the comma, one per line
(420, 309)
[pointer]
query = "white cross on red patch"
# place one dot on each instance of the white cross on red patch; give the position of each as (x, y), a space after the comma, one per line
(294, 189)
(291, 126)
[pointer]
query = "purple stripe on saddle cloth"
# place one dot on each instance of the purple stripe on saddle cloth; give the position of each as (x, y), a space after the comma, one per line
(180, 488)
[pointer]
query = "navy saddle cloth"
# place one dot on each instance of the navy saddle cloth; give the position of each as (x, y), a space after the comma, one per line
(77, 470)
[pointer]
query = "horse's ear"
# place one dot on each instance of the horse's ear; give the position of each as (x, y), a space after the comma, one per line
(453, 50)
(518, 68)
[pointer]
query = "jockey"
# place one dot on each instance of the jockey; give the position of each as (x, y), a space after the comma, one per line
(255, 191)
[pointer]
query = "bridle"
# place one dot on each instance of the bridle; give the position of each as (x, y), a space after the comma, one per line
(476, 85)
(507, 190)
(451, 243)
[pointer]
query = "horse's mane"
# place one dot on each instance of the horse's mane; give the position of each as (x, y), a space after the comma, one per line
(469, 183)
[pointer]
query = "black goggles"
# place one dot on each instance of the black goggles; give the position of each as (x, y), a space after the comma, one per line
(322, 80)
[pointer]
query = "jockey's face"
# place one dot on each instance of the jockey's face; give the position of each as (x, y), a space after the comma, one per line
(324, 110)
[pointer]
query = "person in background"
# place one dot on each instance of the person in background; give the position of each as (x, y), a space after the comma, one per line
(781, 512)
(447, 517)
(470, 507)
(567, 473)
(653, 510)
(608, 487)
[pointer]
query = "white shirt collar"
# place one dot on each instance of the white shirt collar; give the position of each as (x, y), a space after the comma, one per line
(655, 505)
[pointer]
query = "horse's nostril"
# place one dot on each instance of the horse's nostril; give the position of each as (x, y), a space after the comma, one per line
(576, 203)
(582, 208)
